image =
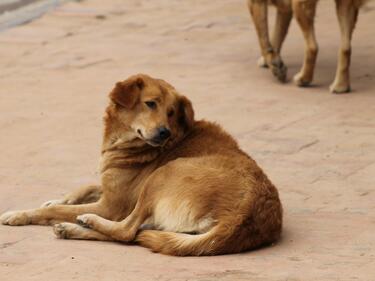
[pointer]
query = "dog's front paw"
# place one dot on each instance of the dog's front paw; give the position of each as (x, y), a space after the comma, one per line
(279, 70)
(86, 220)
(15, 218)
(261, 62)
(54, 202)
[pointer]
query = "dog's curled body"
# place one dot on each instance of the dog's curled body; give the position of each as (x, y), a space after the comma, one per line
(221, 195)
(203, 184)
(187, 180)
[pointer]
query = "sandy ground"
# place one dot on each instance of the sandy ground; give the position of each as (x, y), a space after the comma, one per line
(318, 148)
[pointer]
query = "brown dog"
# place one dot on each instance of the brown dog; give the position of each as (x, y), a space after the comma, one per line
(304, 12)
(187, 180)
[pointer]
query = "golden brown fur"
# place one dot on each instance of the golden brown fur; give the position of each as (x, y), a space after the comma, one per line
(304, 12)
(194, 192)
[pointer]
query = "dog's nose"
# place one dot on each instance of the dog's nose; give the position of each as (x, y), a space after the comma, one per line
(164, 133)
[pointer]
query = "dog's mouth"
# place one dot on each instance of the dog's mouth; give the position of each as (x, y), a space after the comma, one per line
(155, 142)
(139, 132)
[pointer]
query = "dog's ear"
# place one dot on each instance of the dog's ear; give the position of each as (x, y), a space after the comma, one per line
(186, 113)
(127, 93)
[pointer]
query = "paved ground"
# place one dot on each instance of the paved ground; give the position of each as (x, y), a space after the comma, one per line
(16, 12)
(318, 148)
(11, 5)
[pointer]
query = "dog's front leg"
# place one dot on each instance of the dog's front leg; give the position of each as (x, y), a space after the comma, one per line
(258, 10)
(83, 195)
(52, 214)
(283, 19)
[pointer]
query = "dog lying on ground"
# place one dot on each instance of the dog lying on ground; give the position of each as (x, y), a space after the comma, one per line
(304, 12)
(187, 180)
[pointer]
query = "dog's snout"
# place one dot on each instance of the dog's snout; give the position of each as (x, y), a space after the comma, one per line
(164, 133)
(160, 135)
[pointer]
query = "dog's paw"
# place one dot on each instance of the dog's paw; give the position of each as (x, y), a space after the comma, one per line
(54, 202)
(279, 70)
(301, 81)
(261, 62)
(339, 88)
(61, 230)
(65, 230)
(86, 220)
(15, 218)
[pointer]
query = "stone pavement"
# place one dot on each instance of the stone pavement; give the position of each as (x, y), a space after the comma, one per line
(318, 148)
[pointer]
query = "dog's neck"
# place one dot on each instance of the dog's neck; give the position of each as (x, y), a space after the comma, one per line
(127, 154)
(122, 148)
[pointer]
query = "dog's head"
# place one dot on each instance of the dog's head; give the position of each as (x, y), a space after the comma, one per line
(151, 110)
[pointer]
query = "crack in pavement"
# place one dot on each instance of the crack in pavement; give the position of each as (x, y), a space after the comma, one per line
(9, 244)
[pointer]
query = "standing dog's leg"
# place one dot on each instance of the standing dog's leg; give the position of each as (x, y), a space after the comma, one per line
(347, 15)
(258, 10)
(53, 214)
(83, 195)
(283, 18)
(304, 12)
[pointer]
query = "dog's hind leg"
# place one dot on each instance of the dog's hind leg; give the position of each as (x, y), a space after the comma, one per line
(304, 12)
(258, 10)
(83, 195)
(347, 14)
(125, 230)
(67, 230)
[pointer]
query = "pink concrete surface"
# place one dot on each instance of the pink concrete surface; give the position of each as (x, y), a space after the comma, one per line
(318, 148)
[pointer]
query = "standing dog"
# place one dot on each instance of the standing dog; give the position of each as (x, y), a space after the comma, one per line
(187, 180)
(304, 12)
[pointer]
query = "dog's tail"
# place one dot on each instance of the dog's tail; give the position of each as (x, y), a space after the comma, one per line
(221, 239)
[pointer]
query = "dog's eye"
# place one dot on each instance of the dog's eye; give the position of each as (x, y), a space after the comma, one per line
(171, 113)
(151, 104)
